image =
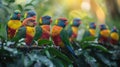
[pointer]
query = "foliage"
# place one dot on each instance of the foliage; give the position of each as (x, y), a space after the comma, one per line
(17, 54)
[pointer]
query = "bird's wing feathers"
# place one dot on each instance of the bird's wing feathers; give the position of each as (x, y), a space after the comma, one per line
(21, 32)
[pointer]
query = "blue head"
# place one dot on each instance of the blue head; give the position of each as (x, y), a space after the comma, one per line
(45, 20)
(114, 29)
(31, 13)
(61, 22)
(103, 27)
(16, 15)
(76, 22)
(92, 25)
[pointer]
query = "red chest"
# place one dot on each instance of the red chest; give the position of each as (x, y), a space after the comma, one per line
(45, 32)
(11, 32)
(56, 35)
(103, 39)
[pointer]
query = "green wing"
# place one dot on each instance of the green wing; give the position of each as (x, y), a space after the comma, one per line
(69, 30)
(38, 33)
(21, 33)
(86, 34)
(65, 37)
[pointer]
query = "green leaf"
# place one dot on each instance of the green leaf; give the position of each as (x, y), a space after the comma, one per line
(90, 38)
(20, 7)
(27, 9)
(57, 62)
(30, 4)
(100, 47)
(32, 1)
(95, 46)
(1, 37)
(9, 1)
(90, 60)
(103, 59)
(59, 55)
(44, 42)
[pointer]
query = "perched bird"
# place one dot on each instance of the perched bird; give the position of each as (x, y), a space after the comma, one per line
(114, 36)
(104, 33)
(45, 22)
(13, 24)
(60, 36)
(27, 31)
(91, 31)
(73, 28)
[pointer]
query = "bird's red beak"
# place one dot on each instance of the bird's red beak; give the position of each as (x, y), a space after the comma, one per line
(50, 20)
(19, 15)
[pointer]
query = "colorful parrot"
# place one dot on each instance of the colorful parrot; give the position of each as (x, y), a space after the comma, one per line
(45, 25)
(91, 31)
(104, 33)
(60, 36)
(27, 31)
(114, 36)
(13, 24)
(73, 28)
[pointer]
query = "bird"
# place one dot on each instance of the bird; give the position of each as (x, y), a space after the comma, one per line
(114, 36)
(73, 29)
(45, 22)
(27, 31)
(103, 37)
(91, 31)
(13, 24)
(60, 37)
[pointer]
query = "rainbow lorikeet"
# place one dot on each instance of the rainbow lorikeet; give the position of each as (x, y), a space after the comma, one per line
(73, 28)
(114, 36)
(60, 36)
(91, 31)
(27, 31)
(13, 24)
(45, 25)
(104, 33)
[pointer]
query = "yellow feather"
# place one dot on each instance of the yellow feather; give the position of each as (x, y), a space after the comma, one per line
(114, 36)
(56, 21)
(30, 30)
(25, 15)
(105, 33)
(40, 20)
(75, 30)
(14, 24)
(92, 32)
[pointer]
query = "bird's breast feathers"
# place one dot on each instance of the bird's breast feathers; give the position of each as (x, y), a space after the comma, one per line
(114, 36)
(75, 30)
(14, 24)
(56, 30)
(45, 31)
(92, 32)
(30, 31)
(105, 33)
